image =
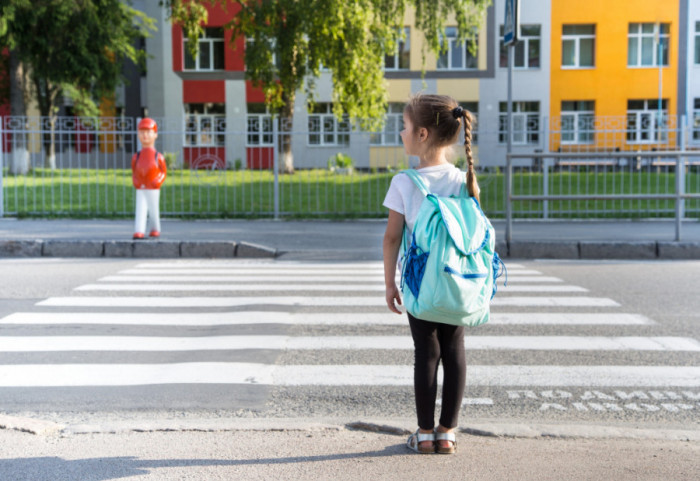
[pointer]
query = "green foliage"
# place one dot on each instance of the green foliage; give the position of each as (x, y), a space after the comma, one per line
(171, 160)
(340, 160)
(75, 47)
(290, 41)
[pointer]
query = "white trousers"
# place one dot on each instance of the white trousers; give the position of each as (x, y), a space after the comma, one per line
(147, 206)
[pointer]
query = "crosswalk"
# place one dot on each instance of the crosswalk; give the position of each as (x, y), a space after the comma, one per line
(185, 303)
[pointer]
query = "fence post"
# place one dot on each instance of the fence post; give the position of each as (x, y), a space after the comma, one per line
(2, 171)
(680, 185)
(683, 139)
(509, 189)
(545, 179)
(275, 166)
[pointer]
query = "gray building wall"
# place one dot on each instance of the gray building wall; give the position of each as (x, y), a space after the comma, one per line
(529, 85)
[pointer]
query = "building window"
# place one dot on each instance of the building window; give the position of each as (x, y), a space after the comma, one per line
(577, 122)
(526, 53)
(205, 124)
(401, 58)
(645, 122)
(325, 129)
(578, 46)
(259, 126)
(644, 41)
(526, 123)
(696, 120)
(211, 51)
(457, 55)
(697, 43)
(393, 125)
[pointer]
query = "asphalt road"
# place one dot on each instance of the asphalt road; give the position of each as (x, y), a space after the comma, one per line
(658, 298)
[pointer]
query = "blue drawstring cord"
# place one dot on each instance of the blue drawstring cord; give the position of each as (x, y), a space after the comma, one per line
(499, 268)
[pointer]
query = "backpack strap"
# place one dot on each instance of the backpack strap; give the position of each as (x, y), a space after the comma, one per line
(417, 180)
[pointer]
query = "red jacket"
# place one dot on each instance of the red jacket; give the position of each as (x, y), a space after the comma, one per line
(147, 171)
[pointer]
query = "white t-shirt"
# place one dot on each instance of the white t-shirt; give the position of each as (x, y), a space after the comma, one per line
(405, 198)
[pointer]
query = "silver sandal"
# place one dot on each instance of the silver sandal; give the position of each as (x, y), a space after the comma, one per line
(445, 437)
(416, 438)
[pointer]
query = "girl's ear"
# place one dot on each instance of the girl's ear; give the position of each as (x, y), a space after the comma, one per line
(422, 134)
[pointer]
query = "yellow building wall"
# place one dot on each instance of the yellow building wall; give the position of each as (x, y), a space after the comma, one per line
(462, 90)
(107, 141)
(611, 83)
(399, 90)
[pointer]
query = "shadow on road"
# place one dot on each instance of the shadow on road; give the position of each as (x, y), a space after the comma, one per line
(102, 469)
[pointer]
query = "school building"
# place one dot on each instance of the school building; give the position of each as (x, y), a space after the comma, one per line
(588, 75)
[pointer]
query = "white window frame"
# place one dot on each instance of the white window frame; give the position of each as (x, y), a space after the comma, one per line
(393, 125)
(207, 44)
(578, 120)
(196, 134)
(523, 43)
(401, 45)
(526, 125)
(655, 36)
(451, 37)
(576, 38)
(327, 129)
(697, 43)
(646, 123)
(263, 133)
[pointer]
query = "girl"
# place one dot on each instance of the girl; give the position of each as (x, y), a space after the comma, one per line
(431, 127)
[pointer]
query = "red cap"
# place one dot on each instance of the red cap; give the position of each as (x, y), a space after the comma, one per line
(148, 124)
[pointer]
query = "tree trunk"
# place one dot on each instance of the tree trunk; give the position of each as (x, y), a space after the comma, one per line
(46, 95)
(19, 159)
(286, 166)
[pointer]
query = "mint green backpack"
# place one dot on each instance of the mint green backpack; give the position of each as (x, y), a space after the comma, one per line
(450, 265)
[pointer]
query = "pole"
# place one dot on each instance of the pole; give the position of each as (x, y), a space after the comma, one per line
(661, 80)
(275, 165)
(509, 162)
(679, 193)
(2, 169)
(682, 147)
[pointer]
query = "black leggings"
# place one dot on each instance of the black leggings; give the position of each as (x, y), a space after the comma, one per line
(434, 341)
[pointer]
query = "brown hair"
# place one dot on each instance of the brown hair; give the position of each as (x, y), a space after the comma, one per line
(441, 115)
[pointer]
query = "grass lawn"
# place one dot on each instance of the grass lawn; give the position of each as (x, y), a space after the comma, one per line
(319, 193)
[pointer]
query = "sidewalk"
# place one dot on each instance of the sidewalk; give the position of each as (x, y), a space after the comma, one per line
(338, 454)
(333, 240)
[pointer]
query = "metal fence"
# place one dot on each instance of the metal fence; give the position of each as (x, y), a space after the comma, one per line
(229, 167)
(600, 173)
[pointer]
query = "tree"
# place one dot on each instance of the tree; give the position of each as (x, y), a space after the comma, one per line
(72, 47)
(349, 38)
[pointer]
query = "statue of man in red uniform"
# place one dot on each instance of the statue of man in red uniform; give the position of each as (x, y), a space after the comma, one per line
(148, 172)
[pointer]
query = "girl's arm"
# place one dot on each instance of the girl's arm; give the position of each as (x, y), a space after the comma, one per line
(391, 246)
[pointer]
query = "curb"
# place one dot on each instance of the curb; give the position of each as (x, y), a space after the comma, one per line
(622, 250)
(638, 250)
(402, 427)
(135, 249)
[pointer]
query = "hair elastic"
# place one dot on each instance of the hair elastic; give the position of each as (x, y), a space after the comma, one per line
(457, 112)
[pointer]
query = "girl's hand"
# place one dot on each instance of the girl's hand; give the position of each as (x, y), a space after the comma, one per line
(393, 297)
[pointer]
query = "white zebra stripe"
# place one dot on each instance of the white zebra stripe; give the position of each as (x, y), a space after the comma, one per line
(212, 302)
(230, 343)
(262, 317)
(71, 375)
(272, 286)
(272, 264)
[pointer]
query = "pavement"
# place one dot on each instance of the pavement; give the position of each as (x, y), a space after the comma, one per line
(341, 449)
(335, 240)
